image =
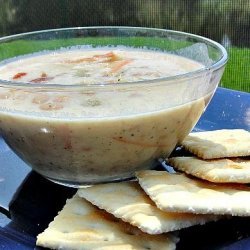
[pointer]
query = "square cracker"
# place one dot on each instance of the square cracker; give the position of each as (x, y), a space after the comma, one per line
(130, 203)
(218, 143)
(80, 225)
(178, 193)
(234, 170)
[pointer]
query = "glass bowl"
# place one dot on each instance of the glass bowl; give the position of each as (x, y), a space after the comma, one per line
(104, 132)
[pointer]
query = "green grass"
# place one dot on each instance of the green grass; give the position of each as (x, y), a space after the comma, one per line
(236, 75)
(20, 47)
(237, 72)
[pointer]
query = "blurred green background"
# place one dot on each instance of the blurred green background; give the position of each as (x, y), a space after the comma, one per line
(226, 21)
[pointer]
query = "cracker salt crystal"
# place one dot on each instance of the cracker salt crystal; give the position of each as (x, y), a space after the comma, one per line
(234, 170)
(128, 202)
(80, 226)
(218, 143)
(178, 193)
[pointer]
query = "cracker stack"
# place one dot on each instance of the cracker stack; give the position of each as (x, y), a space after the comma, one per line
(218, 156)
(142, 215)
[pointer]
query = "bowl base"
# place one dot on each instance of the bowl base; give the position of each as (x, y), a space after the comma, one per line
(83, 184)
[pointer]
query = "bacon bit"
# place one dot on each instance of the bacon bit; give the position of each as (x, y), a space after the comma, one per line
(40, 99)
(118, 66)
(109, 54)
(108, 57)
(51, 106)
(19, 75)
(41, 79)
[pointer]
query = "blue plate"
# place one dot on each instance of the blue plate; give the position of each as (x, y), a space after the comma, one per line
(28, 202)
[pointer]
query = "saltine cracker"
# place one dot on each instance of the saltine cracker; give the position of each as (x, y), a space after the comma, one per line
(127, 201)
(218, 143)
(233, 170)
(81, 226)
(178, 193)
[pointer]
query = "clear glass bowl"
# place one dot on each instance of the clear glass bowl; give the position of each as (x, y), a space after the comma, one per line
(133, 123)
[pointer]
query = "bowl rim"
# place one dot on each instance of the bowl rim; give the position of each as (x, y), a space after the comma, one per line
(218, 64)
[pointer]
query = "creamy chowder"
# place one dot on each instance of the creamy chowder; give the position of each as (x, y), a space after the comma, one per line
(87, 115)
